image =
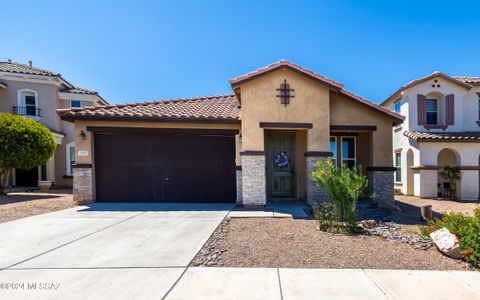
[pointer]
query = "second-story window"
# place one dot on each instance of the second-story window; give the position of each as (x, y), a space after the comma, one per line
(75, 103)
(431, 110)
(27, 104)
(397, 106)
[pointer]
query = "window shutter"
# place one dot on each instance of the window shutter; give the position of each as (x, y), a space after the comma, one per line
(450, 109)
(421, 109)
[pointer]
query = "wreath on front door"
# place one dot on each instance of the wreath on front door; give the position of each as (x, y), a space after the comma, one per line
(281, 159)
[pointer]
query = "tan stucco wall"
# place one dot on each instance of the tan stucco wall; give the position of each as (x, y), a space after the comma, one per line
(47, 99)
(344, 111)
(260, 103)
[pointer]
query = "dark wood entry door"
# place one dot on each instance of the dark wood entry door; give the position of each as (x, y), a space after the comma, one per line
(150, 167)
(281, 164)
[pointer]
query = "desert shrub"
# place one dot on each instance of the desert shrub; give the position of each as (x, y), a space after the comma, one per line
(343, 186)
(465, 228)
(24, 144)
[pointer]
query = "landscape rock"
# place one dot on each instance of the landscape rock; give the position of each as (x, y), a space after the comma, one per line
(368, 224)
(390, 231)
(446, 242)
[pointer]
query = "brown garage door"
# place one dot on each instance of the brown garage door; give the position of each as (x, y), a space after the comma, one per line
(153, 166)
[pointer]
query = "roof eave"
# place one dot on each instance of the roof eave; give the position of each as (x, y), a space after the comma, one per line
(72, 118)
(235, 83)
(397, 118)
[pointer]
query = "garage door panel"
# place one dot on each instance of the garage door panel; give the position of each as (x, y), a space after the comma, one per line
(165, 168)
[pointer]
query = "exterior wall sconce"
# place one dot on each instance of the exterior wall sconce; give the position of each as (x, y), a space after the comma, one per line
(83, 136)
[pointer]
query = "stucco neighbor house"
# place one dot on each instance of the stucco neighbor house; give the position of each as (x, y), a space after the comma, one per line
(442, 127)
(36, 93)
(256, 145)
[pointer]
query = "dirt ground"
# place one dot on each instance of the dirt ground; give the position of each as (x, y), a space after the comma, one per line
(296, 243)
(409, 216)
(20, 205)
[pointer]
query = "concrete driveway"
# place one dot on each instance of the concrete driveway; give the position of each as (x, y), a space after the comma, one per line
(135, 250)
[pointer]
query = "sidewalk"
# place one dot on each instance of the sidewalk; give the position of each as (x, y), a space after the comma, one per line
(173, 283)
(286, 284)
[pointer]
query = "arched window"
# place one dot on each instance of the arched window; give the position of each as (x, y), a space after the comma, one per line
(70, 158)
(27, 103)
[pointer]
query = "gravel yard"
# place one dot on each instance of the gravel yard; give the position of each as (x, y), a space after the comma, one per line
(296, 243)
(411, 205)
(21, 205)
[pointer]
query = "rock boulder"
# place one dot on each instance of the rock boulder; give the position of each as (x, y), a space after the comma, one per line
(446, 242)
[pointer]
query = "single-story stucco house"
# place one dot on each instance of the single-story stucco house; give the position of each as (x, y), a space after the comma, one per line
(256, 145)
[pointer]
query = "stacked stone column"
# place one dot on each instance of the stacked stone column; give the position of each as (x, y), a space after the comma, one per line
(380, 182)
(82, 184)
(253, 175)
(314, 193)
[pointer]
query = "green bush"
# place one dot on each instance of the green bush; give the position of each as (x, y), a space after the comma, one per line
(24, 144)
(343, 186)
(465, 228)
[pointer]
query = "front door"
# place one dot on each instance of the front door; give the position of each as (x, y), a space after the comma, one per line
(281, 164)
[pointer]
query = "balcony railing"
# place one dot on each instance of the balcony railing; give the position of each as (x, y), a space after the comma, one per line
(26, 111)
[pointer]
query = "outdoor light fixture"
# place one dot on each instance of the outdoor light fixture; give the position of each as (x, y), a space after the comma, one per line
(82, 135)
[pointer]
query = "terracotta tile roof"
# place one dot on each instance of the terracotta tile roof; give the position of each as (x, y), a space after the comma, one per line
(222, 108)
(468, 79)
(412, 83)
(280, 64)
(14, 67)
(77, 90)
(466, 136)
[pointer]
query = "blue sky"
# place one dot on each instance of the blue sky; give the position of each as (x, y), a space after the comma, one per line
(133, 51)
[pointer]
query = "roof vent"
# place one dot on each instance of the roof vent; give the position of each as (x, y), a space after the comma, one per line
(9, 60)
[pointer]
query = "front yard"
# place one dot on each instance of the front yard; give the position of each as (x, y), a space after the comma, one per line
(21, 205)
(297, 243)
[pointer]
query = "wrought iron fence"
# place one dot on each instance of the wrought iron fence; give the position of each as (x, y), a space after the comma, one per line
(26, 111)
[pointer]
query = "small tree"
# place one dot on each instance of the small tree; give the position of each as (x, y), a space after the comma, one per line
(343, 186)
(24, 144)
(451, 174)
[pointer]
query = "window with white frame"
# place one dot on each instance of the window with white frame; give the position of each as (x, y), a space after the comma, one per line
(75, 103)
(70, 158)
(333, 149)
(27, 103)
(398, 166)
(431, 110)
(348, 151)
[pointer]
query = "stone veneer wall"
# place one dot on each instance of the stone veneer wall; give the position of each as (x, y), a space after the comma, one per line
(239, 187)
(381, 184)
(253, 180)
(82, 185)
(314, 193)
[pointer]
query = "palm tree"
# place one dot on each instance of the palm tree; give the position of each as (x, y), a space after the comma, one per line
(451, 174)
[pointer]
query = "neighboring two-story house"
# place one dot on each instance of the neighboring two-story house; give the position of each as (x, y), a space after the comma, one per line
(35, 93)
(442, 127)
